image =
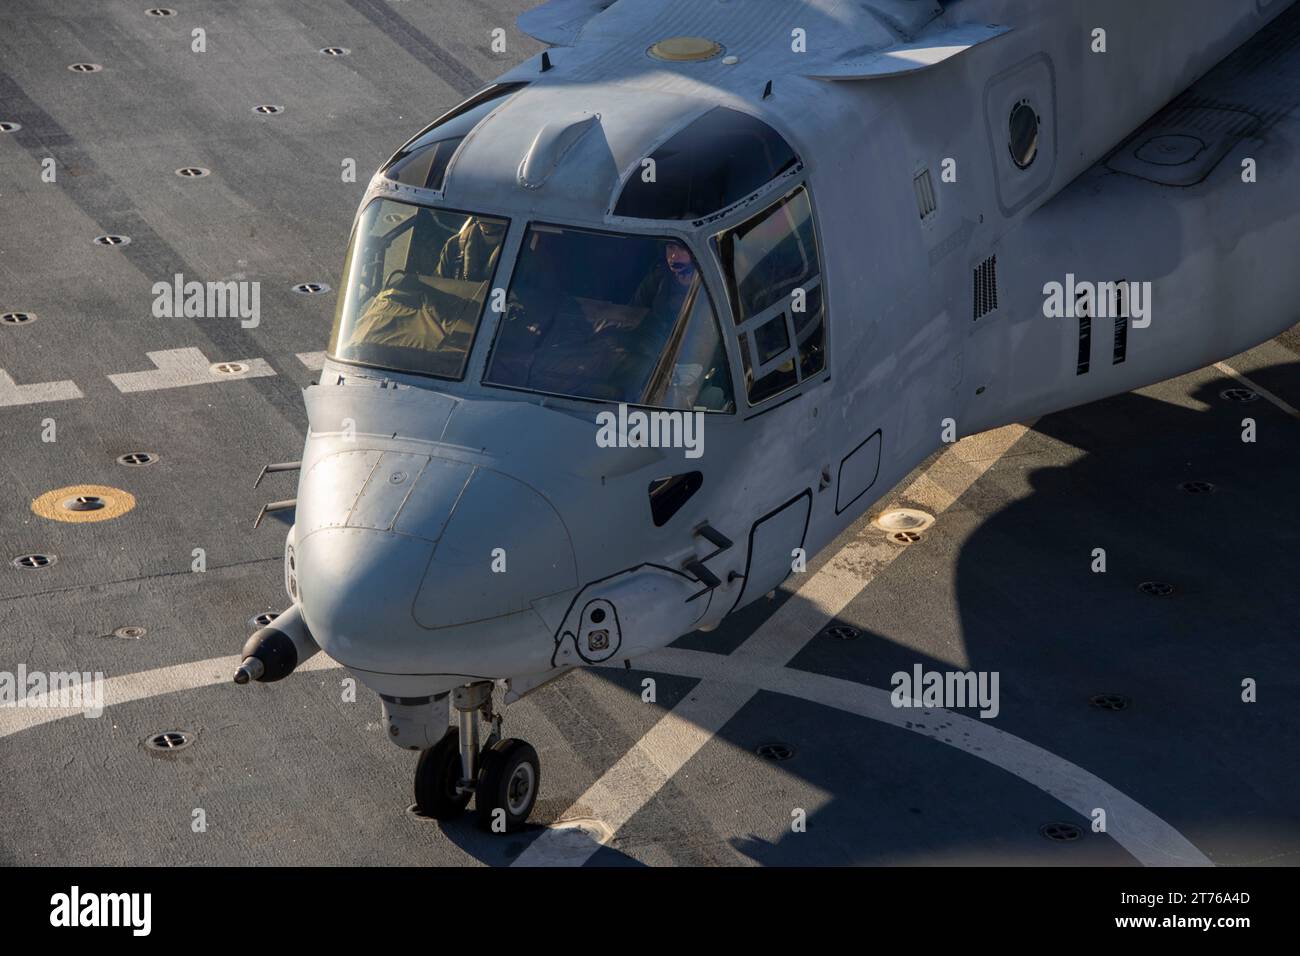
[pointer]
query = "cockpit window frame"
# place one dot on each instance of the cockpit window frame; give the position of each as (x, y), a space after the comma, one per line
(783, 176)
(732, 329)
(483, 311)
(657, 233)
(503, 93)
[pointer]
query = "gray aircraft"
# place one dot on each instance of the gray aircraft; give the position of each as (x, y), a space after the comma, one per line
(625, 335)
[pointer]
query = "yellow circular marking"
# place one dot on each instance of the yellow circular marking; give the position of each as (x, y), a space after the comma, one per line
(116, 503)
(683, 49)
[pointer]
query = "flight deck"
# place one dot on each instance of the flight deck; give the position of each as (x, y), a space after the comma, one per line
(1159, 688)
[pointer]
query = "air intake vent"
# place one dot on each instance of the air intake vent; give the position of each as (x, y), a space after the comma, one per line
(1121, 340)
(986, 287)
(1121, 323)
(926, 201)
(1083, 309)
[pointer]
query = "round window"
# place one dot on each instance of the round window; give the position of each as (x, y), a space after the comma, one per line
(1023, 134)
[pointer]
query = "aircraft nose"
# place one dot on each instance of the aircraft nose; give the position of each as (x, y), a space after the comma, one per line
(501, 547)
(413, 563)
(355, 588)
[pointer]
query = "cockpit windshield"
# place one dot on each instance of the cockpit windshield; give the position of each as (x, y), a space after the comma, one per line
(612, 317)
(415, 282)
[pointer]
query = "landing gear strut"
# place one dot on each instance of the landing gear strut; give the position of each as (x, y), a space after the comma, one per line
(503, 774)
(437, 777)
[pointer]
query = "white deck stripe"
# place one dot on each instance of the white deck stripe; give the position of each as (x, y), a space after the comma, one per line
(312, 360)
(11, 393)
(1150, 840)
(178, 368)
(1227, 369)
(140, 686)
(727, 684)
(655, 759)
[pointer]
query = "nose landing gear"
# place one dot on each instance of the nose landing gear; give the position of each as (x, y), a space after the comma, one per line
(507, 785)
(503, 775)
(437, 779)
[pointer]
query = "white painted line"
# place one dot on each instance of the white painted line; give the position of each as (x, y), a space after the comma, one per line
(575, 840)
(178, 368)
(140, 686)
(652, 762)
(1150, 840)
(783, 635)
(1227, 369)
(726, 682)
(11, 393)
(313, 360)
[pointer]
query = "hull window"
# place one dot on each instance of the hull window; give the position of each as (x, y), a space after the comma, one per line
(718, 160)
(1022, 135)
(773, 275)
(423, 161)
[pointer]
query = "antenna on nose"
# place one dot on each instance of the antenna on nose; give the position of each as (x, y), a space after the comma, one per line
(546, 61)
(767, 90)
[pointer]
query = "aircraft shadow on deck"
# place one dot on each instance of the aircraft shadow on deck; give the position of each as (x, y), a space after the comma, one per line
(1031, 608)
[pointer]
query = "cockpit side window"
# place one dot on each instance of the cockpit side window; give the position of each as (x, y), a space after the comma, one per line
(611, 317)
(423, 161)
(414, 286)
(774, 281)
(719, 159)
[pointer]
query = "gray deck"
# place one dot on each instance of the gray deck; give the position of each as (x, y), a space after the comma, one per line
(291, 774)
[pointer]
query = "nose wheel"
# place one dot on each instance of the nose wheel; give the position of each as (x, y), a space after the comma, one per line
(437, 779)
(503, 776)
(507, 785)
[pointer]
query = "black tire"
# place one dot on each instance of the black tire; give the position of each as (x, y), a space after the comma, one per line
(509, 781)
(436, 776)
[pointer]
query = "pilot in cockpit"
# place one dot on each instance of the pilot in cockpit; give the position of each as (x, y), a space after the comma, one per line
(639, 332)
(610, 317)
(665, 290)
(430, 276)
(471, 254)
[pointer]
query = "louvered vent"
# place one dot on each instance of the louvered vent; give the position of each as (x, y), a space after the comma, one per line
(986, 287)
(1121, 323)
(926, 201)
(1083, 310)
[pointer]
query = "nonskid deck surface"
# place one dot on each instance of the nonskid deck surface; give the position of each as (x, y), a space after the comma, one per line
(768, 716)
